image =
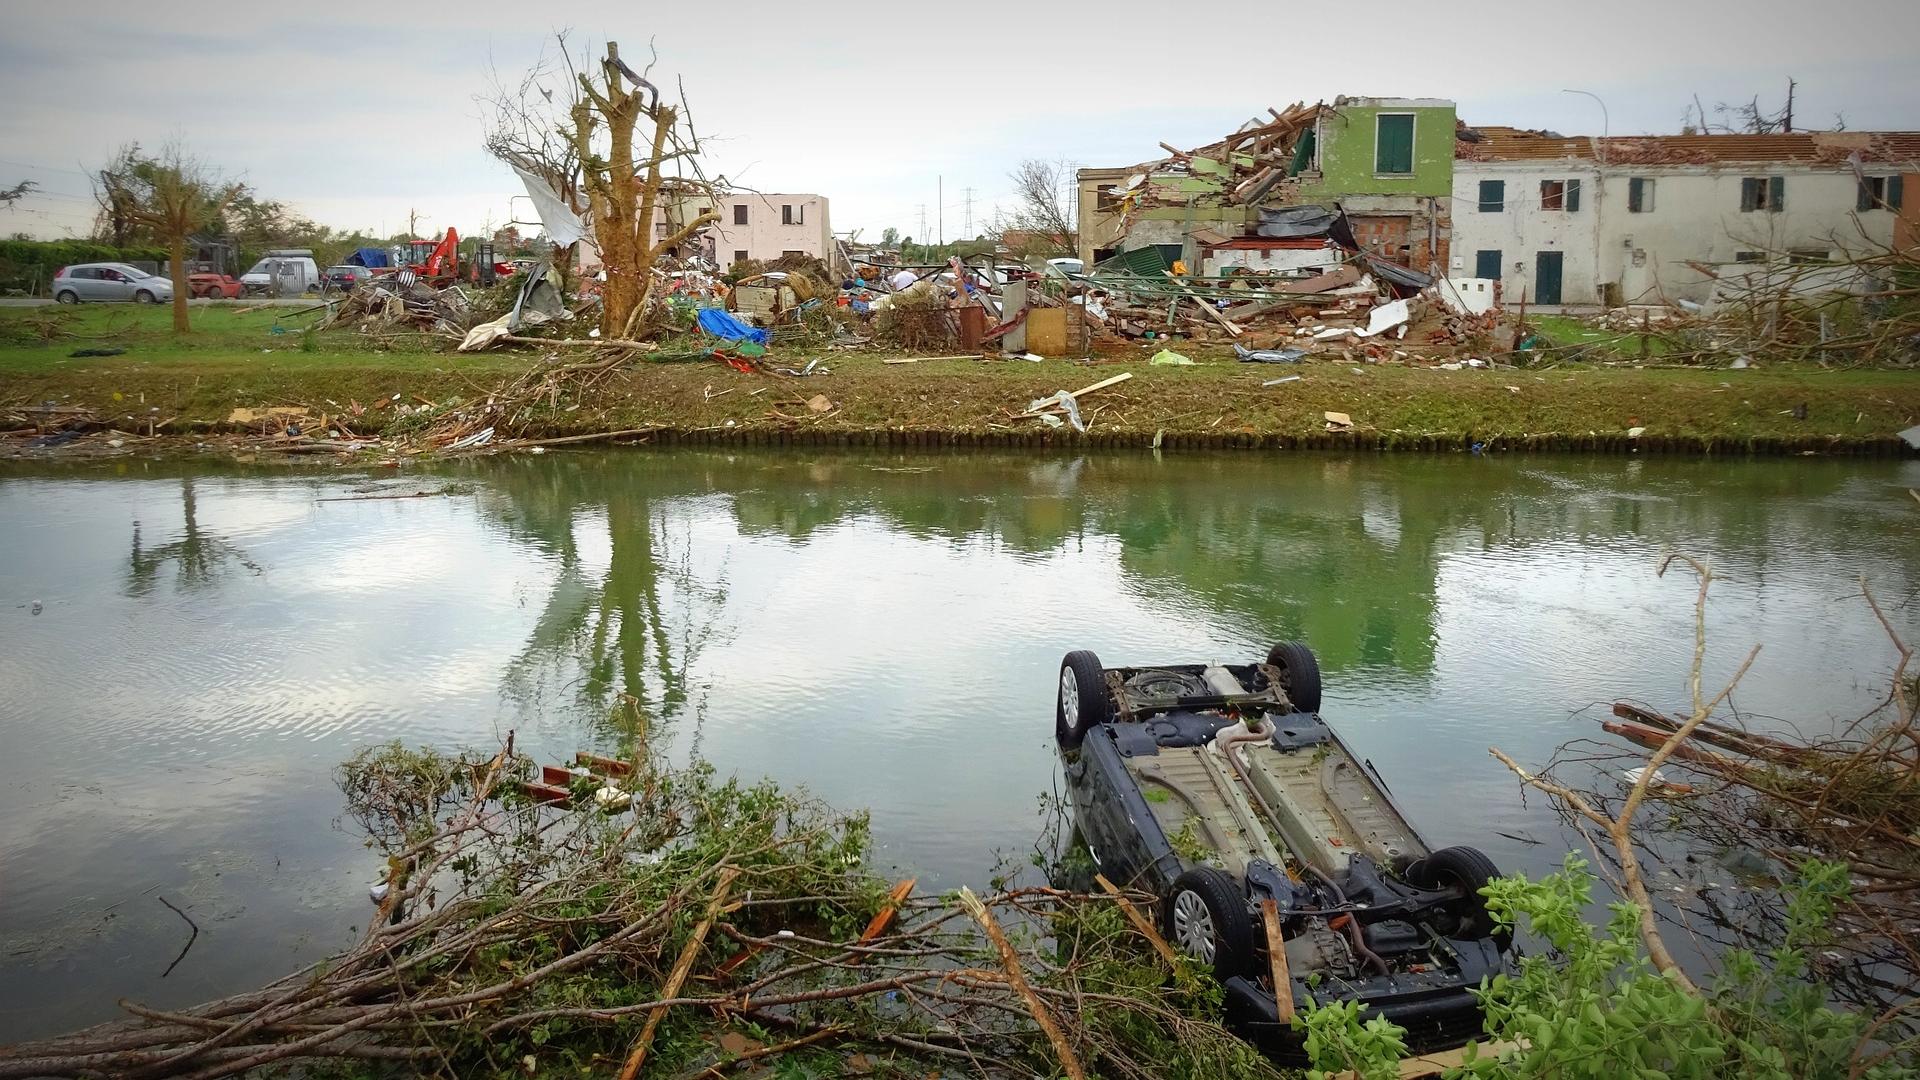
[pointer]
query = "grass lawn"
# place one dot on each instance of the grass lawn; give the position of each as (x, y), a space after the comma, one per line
(235, 358)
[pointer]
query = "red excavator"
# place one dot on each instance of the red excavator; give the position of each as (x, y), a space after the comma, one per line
(436, 263)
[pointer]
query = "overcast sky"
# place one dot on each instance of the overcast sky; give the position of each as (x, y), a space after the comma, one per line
(356, 114)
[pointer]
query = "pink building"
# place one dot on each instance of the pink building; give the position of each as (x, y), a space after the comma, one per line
(765, 227)
(751, 226)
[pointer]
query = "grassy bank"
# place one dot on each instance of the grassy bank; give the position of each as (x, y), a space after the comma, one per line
(235, 359)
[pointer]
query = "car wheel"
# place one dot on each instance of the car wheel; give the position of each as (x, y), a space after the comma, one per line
(1207, 918)
(1299, 674)
(1469, 870)
(1083, 702)
(143, 297)
(66, 296)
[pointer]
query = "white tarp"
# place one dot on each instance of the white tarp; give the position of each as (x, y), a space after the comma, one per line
(562, 225)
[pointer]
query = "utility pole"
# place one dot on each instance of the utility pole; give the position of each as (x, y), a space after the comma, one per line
(923, 223)
(967, 232)
(1786, 124)
(412, 230)
(940, 207)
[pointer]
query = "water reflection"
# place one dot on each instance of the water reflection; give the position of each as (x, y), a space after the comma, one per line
(618, 630)
(199, 556)
(881, 628)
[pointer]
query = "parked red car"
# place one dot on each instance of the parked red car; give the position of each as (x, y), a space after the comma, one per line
(214, 286)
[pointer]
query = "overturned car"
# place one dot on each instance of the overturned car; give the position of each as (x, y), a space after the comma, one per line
(1219, 789)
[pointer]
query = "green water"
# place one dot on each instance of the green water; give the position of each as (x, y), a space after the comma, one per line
(883, 629)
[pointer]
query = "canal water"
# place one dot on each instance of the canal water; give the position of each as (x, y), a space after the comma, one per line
(187, 649)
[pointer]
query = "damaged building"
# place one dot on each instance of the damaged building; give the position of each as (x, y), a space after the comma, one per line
(1652, 219)
(1265, 196)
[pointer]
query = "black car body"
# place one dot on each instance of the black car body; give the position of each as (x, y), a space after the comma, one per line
(1220, 790)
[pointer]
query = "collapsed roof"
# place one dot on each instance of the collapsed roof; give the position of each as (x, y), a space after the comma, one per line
(1498, 143)
(1240, 169)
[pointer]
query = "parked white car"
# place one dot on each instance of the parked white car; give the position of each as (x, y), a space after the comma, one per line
(92, 282)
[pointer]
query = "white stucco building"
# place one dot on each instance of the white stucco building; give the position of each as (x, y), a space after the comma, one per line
(1649, 219)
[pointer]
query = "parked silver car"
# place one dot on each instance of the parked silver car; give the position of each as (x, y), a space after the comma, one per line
(110, 281)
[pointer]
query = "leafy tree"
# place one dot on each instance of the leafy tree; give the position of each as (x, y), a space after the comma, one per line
(889, 237)
(170, 197)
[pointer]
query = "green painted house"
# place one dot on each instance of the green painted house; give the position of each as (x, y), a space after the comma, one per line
(1388, 162)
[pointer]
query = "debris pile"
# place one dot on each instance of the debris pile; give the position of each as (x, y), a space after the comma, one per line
(401, 301)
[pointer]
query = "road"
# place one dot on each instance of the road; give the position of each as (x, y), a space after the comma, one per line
(297, 301)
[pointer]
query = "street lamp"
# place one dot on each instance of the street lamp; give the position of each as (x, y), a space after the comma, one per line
(1606, 125)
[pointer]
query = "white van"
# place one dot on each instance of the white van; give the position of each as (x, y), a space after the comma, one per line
(290, 272)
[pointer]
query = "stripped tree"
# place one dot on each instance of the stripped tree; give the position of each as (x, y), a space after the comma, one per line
(614, 154)
(171, 197)
(622, 193)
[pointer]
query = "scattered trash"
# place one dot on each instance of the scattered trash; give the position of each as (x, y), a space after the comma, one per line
(1338, 421)
(1635, 432)
(1282, 379)
(1268, 356)
(819, 403)
(477, 439)
(1912, 436)
(77, 353)
(1169, 358)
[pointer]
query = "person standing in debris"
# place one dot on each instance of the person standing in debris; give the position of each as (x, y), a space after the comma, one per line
(902, 280)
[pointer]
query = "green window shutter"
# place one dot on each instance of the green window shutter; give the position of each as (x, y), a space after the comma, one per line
(1573, 196)
(1893, 193)
(1493, 196)
(1864, 199)
(1777, 193)
(1486, 264)
(1750, 193)
(1637, 195)
(1393, 144)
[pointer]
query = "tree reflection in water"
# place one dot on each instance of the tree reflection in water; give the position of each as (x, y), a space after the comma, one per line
(199, 556)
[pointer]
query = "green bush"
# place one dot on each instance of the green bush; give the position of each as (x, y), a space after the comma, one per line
(1594, 1008)
(29, 265)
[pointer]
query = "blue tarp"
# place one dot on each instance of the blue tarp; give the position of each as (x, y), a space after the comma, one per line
(721, 324)
(370, 257)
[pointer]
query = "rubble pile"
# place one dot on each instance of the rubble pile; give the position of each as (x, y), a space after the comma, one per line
(401, 301)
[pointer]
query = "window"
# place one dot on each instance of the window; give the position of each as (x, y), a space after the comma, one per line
(1639, 195)
(793, 215)
(1749, 256)
(1493, 196)
(1879, 193)
(739, 213)
(739, 256)
(1486, 264)
(1560, 195)
(1767, 193)
(1106, 199)
(1393, 144)
(1805, 256)
(790, 251)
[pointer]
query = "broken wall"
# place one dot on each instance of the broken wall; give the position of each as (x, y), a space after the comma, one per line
(1347, 136)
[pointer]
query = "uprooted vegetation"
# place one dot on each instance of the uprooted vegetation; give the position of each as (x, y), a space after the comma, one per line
(712, 923)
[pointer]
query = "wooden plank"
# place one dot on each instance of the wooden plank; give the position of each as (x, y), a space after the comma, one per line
(1277, 960)
(1139, 921)
(1047, 331)
(1103, 384)
(1426, 1066)
(884, 917)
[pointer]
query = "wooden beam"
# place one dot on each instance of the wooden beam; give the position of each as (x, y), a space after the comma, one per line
(1139, 921)
(1277, 961)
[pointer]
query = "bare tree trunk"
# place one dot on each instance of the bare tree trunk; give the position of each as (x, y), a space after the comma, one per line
(180, 284)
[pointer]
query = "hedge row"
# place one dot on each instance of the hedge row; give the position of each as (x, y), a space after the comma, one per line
(29, 265)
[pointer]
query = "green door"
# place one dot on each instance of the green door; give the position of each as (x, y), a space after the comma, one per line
(1546, 277)
(1486, 264)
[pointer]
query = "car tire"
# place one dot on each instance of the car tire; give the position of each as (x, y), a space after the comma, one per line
(1299, 674)
(66, 296)
(1206, 917)
(1467, 869)
(144, 297)
(1082, 702)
